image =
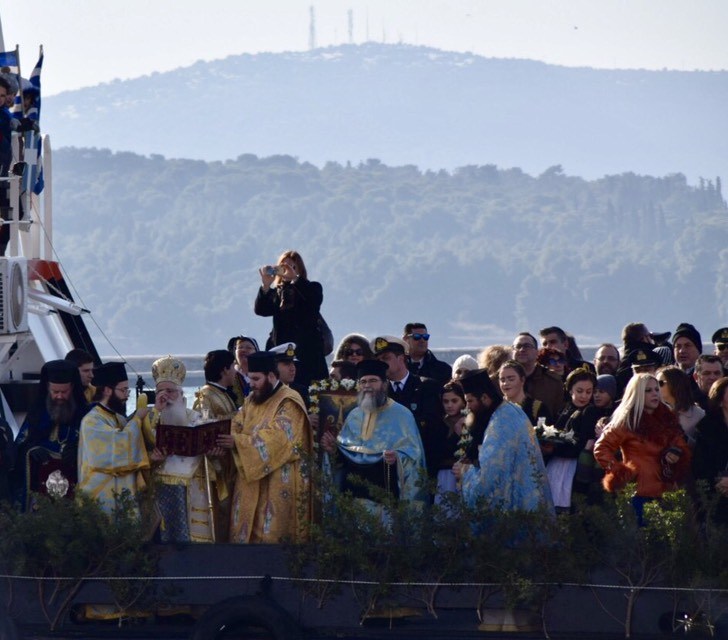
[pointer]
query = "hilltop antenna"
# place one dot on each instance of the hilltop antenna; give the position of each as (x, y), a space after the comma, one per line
(312, 28)
(350, 15)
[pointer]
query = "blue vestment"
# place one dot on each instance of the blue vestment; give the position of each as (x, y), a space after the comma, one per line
(365, 437)
(512, 476)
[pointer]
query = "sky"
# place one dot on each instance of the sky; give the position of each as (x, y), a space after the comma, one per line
(88, 42)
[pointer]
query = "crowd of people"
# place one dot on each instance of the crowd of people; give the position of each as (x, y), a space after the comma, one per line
(526, 426)
(19, 113)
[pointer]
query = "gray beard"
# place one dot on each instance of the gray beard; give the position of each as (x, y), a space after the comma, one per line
(61, 412)
(370, 401)
(175, 414)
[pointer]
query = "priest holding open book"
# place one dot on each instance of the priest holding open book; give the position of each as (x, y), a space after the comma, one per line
(188, 462)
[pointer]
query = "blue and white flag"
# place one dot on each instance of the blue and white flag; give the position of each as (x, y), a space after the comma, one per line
(33, 180)
(10, 59)
(34, 86)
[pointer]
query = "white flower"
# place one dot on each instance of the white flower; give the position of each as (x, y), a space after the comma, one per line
(348, 384)
(550, 431)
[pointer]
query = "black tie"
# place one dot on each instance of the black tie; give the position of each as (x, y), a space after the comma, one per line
(397, 387)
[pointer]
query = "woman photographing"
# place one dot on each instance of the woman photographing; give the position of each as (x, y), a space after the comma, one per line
(294, 302)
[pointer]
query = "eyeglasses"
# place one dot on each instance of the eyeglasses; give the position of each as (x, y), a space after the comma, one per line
(553, 361)
(420, 336)
(125, 390)
(353, 352)
(721, 346)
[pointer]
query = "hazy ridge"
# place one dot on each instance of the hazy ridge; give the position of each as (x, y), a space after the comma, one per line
(407, 104)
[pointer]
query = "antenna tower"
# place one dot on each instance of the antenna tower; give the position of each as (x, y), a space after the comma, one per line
(312, 28)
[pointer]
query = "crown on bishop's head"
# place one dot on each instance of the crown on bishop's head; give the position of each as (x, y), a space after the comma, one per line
(169, 369)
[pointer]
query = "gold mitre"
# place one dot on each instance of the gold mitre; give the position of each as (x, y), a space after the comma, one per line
(169, 369)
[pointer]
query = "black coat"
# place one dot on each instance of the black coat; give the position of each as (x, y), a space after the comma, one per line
(422, 397)
(710, 457)
(582, 422)
(295, 309)
(431, 367)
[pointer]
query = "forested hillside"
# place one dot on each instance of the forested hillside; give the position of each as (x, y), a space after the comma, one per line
(165, 252)
(406, 104)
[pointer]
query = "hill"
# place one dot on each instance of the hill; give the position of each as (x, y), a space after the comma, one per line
(165, 252)
(409, 105)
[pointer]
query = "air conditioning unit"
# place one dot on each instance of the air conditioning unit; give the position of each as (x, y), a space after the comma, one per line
(13, 295)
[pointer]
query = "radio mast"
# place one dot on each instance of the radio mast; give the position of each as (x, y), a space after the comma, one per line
(312, 28)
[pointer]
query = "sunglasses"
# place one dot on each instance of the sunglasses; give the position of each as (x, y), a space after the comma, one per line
(554, 361)
(353, 352)
(420, 336)
(662, 383)
(721, 346)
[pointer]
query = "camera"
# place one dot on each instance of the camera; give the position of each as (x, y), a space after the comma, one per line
(273, 271)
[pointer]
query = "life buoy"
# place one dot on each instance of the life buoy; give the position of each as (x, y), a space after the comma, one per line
(246, 611)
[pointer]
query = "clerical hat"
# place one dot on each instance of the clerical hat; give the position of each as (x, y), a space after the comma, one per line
(478, 382)
(109, 374)
(261, 362)
(372, 368)
(59, 371)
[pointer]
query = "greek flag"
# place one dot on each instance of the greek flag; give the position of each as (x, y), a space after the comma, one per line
(33, 143)
(10, 60)
(34, 85)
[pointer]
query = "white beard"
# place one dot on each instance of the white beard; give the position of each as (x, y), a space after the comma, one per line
(175, 414)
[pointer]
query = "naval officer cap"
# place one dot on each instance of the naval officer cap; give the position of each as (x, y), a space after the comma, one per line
(285, 352)
(644, 358)
(382, 344)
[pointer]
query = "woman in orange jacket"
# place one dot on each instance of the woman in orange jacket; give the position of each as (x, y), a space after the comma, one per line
(653, 446)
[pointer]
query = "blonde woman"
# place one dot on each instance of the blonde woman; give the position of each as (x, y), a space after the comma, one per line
(654, 450)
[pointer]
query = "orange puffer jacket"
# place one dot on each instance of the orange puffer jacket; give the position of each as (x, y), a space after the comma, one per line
(643, 454)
